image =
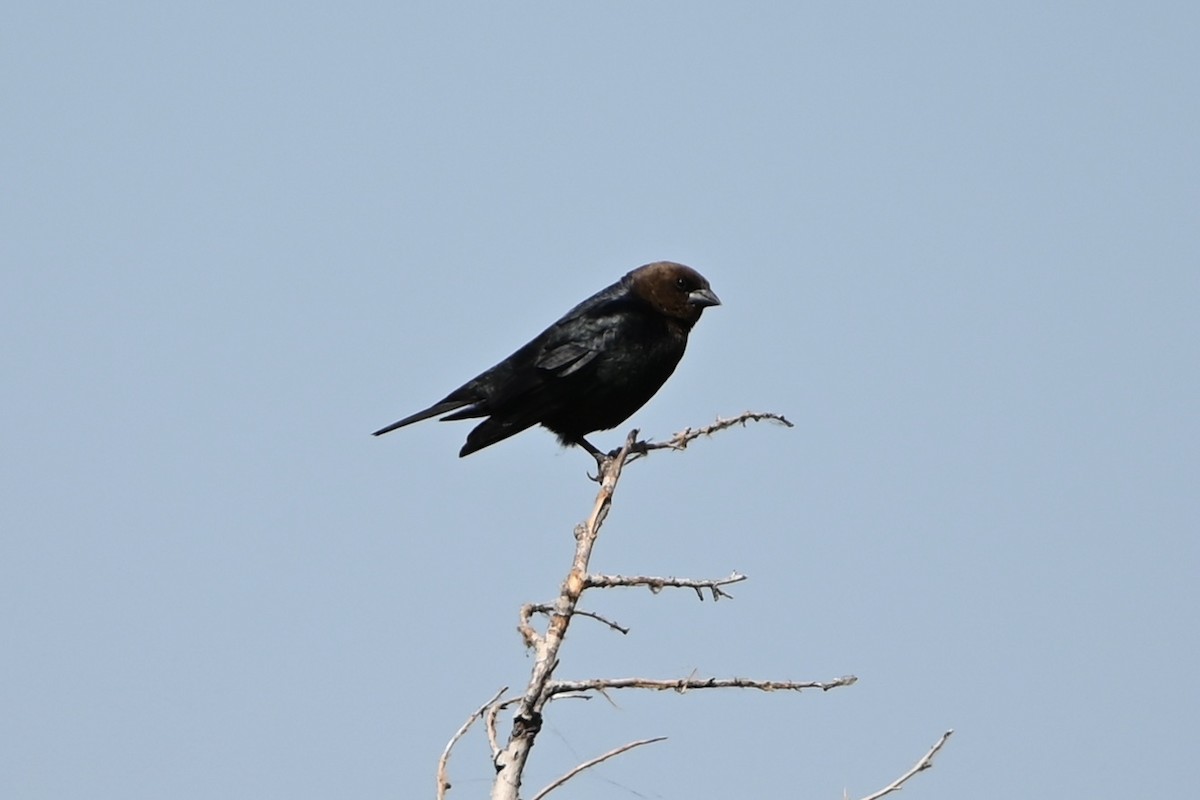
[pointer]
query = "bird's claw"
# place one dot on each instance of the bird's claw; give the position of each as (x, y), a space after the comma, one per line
(602, 462)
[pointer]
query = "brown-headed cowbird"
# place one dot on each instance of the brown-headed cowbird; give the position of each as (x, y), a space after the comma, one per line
(590, 370)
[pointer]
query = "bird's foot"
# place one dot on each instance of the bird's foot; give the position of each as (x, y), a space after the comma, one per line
(602, 462)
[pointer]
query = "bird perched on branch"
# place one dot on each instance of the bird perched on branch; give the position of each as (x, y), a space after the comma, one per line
(590, 370)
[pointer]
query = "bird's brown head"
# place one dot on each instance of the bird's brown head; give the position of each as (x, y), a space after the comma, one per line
(676, 291)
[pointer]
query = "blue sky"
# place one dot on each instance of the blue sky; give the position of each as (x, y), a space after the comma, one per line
(956, 244)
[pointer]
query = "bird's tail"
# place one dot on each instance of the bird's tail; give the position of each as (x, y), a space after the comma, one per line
(493, 430)
(432, 411)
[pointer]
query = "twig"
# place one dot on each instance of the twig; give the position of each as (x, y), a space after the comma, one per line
(687, 684)
(925, 763)
(681, 440)
(656, 585)
(544, 609)
(616, 751)
(529, 634)
(443, 779)
(489, 724)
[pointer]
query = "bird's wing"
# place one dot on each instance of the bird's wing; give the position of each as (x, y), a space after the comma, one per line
(566, 358)
(524, 386)
(574, 341)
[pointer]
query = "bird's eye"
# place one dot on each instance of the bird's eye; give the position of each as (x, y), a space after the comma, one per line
(681, 283)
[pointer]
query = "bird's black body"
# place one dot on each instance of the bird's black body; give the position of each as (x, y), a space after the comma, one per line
(591, 369)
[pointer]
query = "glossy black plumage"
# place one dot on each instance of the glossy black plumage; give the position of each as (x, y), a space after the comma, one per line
(591, 369)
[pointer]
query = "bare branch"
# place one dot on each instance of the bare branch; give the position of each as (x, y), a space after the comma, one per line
(527, 719)
(544, 609)
(616, 751)
(529, 635)
(510, 758)
(687, 684)
(923, 764)
(443, 779)
(656, 585)
(681, 440)
(489, 724)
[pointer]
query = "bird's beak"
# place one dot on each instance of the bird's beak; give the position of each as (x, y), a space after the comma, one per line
(703, 298)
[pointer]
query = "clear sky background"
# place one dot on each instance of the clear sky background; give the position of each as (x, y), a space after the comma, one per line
(957, 243)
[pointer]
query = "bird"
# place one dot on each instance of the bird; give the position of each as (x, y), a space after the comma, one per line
(590, 370)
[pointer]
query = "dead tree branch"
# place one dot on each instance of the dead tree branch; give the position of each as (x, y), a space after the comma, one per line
(527, 721)
(616, 751)
(529, 609)
(925, 762)
(656, 585)
(509, 758)
(682, 685)
(443, 777)
(681, 440)
(489, 723)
